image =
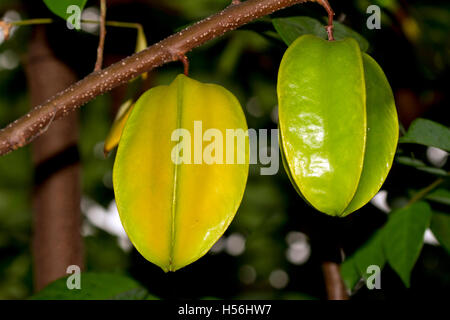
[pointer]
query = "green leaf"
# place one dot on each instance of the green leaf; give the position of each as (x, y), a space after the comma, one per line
(59, 7)
(403, 237)
(94, 286)
(399, 242)
(407, 161)
(371, 253)
(349, 273)
(291, 28)
(341, 31)
(440, 195)
(240, 41)
(420, 165)
(134, 294)
(434, 171)
(428, 133)
(440, 226)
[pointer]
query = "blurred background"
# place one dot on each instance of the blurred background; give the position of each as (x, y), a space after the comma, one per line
(275, 247)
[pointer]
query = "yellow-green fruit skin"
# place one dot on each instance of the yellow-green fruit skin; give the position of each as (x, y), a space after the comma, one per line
(174, 213)
(338, 123)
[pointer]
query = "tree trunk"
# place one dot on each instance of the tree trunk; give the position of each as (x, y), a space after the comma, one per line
(57, 241)
(333, 281)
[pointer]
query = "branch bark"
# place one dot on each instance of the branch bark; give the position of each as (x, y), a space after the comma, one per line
(27, 128)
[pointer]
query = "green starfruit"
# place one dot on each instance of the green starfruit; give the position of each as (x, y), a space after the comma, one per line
(174, 206)
(338, 123)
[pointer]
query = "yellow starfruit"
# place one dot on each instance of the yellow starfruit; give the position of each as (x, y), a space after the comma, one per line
(176, 190)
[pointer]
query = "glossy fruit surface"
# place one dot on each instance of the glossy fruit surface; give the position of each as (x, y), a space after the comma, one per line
(173, 213)
(338, 123)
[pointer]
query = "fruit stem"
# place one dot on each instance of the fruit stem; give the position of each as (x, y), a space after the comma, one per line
(31, 22)
(329, 27)
(7, 25)
(183, 58)
(101, 43)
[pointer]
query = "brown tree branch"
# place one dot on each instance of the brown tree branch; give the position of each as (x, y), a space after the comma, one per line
(101, 41)
(24, 130)
(333, 281)
(57, 240)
